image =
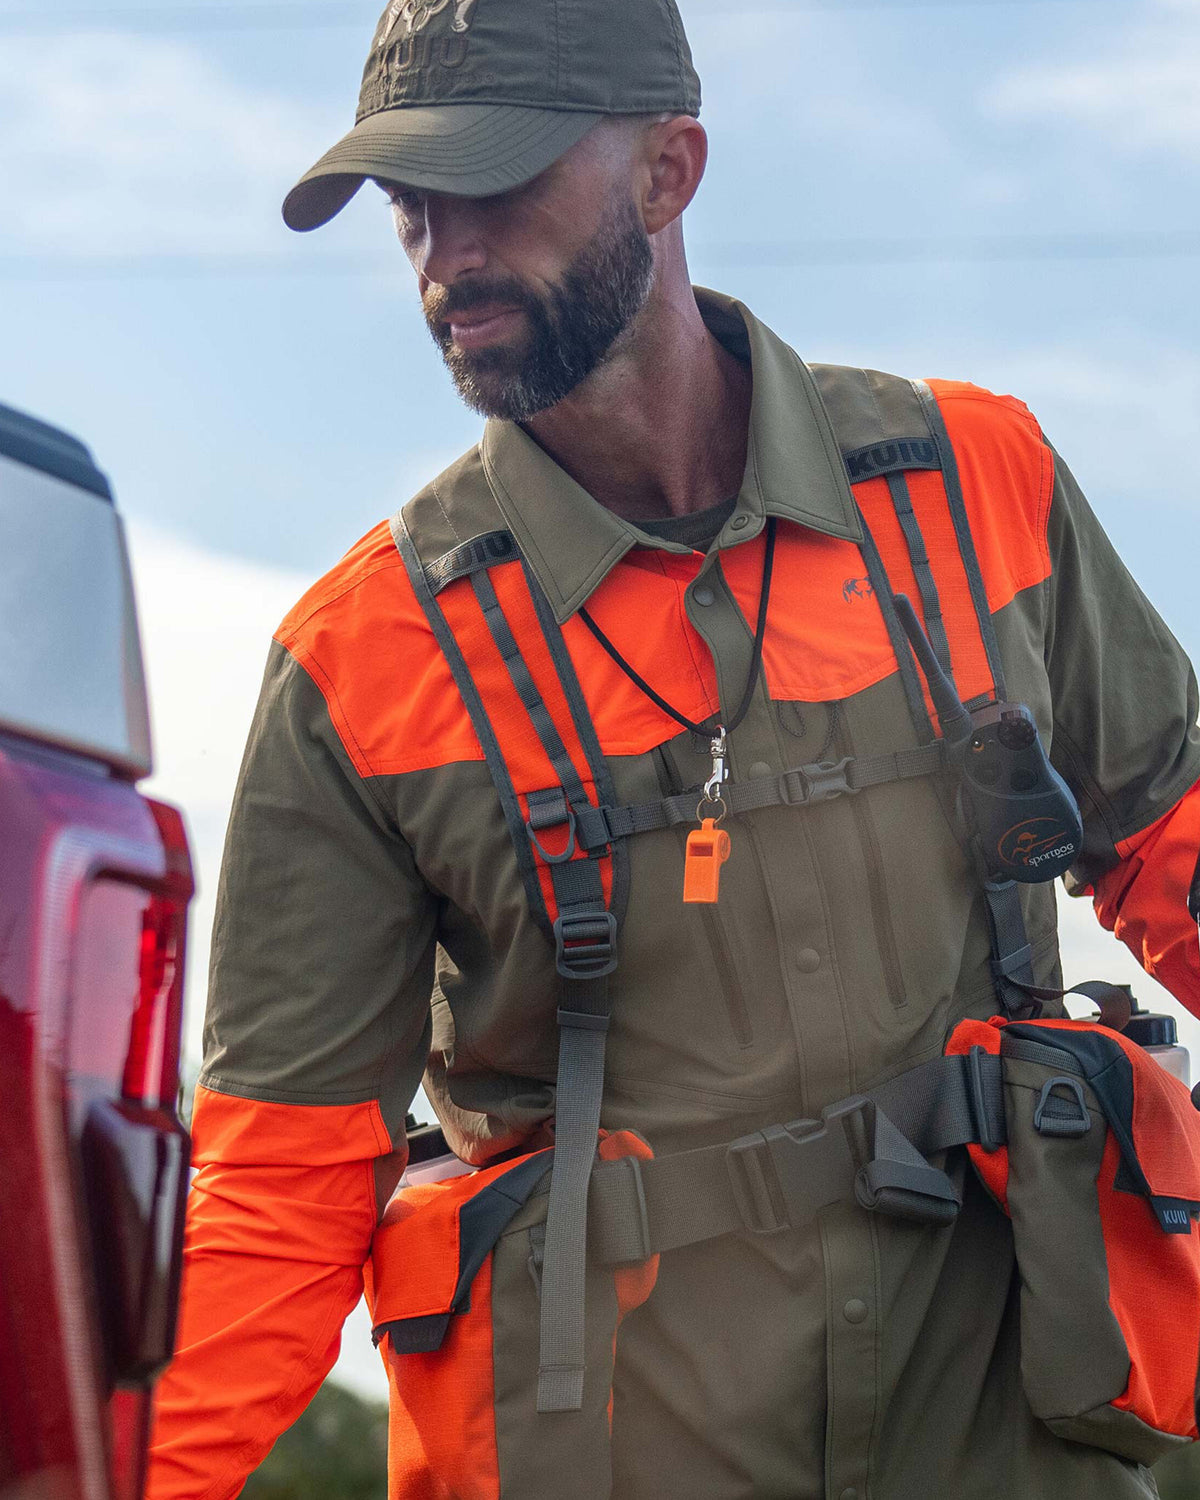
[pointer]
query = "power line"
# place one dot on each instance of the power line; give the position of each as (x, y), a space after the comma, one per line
(309, 14)
(1143, 245)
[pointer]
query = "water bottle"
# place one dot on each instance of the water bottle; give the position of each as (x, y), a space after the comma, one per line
(429, 1158)
(1160, 1038)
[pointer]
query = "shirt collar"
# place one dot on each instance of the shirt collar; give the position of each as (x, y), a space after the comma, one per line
(794, 470)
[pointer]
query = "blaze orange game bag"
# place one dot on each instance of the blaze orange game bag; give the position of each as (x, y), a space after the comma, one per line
(1100, 1176)
(453, 1287)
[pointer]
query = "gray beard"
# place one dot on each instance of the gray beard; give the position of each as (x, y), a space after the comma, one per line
(572, 328)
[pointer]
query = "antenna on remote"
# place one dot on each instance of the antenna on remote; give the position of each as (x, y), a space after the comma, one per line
(951, 711)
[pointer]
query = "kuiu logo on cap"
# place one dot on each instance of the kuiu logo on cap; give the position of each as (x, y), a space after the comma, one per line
(417, 14)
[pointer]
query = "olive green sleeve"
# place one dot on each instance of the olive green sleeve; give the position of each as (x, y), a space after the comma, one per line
(324, 938)
(1125, 697)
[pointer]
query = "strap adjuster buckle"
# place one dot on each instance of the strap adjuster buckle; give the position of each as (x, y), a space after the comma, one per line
(631, 1167)
(593, 939)
(976, 1060)
(551, 810)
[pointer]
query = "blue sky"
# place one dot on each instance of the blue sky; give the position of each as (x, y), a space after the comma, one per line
(988, 190)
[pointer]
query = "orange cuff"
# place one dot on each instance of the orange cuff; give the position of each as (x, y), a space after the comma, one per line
(1143, 900)
(279, 1223)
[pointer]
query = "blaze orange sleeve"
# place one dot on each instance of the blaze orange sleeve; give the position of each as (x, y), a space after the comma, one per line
(1143, 899)
(279, 1223)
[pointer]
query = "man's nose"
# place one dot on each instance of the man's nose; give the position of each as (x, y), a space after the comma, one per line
(453, 242)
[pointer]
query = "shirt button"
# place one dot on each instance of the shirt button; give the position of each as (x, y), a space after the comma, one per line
(703, 595)
(739, 521)
(855, 1311)
(759, 768)
(808, 960)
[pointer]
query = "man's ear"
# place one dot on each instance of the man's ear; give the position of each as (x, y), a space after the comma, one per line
(675, 153)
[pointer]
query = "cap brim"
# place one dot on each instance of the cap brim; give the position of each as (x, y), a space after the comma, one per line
(471, 150)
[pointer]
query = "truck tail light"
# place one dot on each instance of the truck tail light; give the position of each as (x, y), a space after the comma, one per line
(151, 1073)
(129, 964)
(129, 1420)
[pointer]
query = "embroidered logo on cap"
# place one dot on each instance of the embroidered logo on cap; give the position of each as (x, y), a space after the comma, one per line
(417, 14)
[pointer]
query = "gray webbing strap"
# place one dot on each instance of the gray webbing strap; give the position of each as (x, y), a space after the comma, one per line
(527, 689)
(580, 1087)
(931, 604)
(480, 722)
(1012, 953)
(962, 531)
(881, 585)
(779, 1177)
(798, 787)
(585, 953)
(585, 941)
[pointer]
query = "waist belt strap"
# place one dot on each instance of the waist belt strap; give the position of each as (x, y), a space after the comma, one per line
(870, 1148)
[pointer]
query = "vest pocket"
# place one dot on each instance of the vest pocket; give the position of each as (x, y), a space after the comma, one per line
(453, 1291)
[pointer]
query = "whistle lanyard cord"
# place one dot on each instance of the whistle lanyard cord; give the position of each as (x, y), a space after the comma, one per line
(760, 632)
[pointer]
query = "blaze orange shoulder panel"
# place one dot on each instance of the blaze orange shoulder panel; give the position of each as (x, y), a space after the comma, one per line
(1007, 474)
(360, 634)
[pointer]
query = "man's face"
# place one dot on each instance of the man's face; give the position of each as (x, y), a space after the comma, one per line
(527, 293)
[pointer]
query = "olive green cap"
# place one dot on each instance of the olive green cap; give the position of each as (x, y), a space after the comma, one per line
(474, 97)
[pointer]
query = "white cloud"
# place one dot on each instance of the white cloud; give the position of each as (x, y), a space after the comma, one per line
(118, 144)
(206, 623)
(807, 78)
(1140, 91)
(1133, 420)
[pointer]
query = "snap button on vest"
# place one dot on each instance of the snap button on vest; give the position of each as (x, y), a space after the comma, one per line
(808, 960)
(703, 595)
(759, 768)
(855, 1311)
(850, 1493)
(739, 521)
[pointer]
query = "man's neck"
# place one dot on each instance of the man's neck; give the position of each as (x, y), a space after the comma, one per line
(661, 428)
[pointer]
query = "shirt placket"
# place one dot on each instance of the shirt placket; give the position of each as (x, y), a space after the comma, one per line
(790, 883)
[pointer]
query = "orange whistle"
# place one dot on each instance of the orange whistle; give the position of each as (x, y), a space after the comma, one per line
(707, 850)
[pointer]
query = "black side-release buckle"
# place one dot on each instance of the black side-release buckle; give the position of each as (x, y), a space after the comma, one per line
(781, 1175)
(828, 779)
(592, 940)
(784, 1174)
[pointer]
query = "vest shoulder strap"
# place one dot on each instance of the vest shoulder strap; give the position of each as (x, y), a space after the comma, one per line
(888, 427)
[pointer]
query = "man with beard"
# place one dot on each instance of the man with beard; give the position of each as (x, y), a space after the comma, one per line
(659, 584)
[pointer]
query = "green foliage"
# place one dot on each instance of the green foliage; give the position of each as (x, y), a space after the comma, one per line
(336, 1451)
